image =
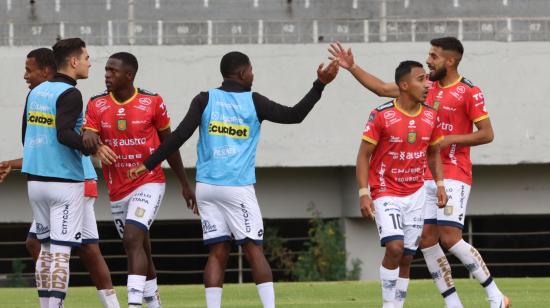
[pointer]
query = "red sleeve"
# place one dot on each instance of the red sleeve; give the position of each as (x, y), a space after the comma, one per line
(475, 104)
(437, 134)
(91, 121)
(161, 119)
(372, 131)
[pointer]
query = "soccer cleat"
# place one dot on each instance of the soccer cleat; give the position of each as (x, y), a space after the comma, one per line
(502, 302)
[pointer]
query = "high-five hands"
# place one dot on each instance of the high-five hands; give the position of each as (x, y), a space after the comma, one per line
(341, 55)
(327, 74)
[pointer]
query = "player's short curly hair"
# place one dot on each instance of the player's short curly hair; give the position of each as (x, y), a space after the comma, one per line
(231, 62)
(127, 59)
(44, 58)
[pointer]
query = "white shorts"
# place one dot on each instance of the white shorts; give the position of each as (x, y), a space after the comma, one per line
(401, 218)
(139, 208)
(89, 225)
(228, 211)
(453, 214)
(57, 209)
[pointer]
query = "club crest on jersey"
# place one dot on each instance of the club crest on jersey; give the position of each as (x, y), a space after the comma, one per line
(411, 137)
(448, 211)
(140, 212)
(436, 105)
(121, 124)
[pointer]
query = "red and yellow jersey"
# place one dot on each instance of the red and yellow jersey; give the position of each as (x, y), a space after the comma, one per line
(398, 162)
(458, 106)
(129, 128)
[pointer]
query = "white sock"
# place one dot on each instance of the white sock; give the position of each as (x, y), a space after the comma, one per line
(151, 295)
(42, 275)
(108, 298)
(440, 270)
(59, 273)
(213, 297)
(470, 257)
(136, 285)
(401, 292)
(267, 294)
(388, 279)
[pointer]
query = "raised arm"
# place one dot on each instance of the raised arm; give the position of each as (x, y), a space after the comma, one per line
(372, 83)
(274, 112)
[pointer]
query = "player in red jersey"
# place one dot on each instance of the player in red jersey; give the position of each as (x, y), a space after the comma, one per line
(400, 138)
(125, 125)
(460, 106)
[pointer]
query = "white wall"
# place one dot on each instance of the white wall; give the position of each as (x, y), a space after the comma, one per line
(511, 75)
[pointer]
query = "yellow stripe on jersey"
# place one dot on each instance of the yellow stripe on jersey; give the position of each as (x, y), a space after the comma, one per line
(370, 140)
(451, 84)
(41, 119)
(90, 128)
(165, 127)
(436, 141)
(483, 117)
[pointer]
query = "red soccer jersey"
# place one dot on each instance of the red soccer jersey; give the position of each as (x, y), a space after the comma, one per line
(130, 129)
(397, 165)
(458, 106)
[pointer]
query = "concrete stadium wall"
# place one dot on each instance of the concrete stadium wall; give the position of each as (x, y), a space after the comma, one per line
(511, 75)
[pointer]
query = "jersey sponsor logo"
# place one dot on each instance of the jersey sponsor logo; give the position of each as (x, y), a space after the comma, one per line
(121, 111)
(246, 219)
(478, 96)
(439, 94)
(229, 130)
(139, 107)
(390, 114)
(129, 156)
(121, 124)
(145, 101)
(395, 139)
(404, 155)
(447, 126)
(227, 105)
(139, 122)
(385, 106)
(456, 95)
(461, 89)
(41, 119)
(381, 177)
(428, 114)
(392, 121)
(65, 220)
(101, 103)
(126, 142)
(224, 151)
(411, 137)
(102, 109)
(228, 119)
(406, 170)
(39, 107)
(37, 141)
(451, 109)
(105, 124)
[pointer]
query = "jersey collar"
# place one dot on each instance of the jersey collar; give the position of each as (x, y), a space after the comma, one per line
(404, 112)
(451, 84)
(126, 101)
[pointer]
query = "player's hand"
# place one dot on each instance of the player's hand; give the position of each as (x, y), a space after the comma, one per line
(5, 169)
(105, 155)
(367, 207)
(327, 74)
(190, 199)
(340, 54)
(91, 141)
(136, 172)
(441, 197)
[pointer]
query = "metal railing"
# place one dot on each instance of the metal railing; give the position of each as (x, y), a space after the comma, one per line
(276, 31)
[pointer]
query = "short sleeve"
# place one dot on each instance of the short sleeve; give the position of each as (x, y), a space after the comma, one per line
(161, 119)
(476, 105)
(371, 134)
(91, 121)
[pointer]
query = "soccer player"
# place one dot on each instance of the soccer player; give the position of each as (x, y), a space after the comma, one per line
(53, 164)
(460, 106)
(399, 138)
(39, 67)
(124, 126)
(229, 119)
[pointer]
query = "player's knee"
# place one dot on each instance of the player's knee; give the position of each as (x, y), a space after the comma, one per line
(428, 240)
(132, 241)
(394, 250)
(33, 247)
(449, 239)
(219, 251)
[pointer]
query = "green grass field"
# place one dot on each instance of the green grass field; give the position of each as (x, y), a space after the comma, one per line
(524, 293)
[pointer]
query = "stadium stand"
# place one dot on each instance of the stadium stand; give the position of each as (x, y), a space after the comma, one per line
(199, 22)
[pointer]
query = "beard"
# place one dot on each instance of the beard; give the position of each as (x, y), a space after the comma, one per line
(438, 74)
